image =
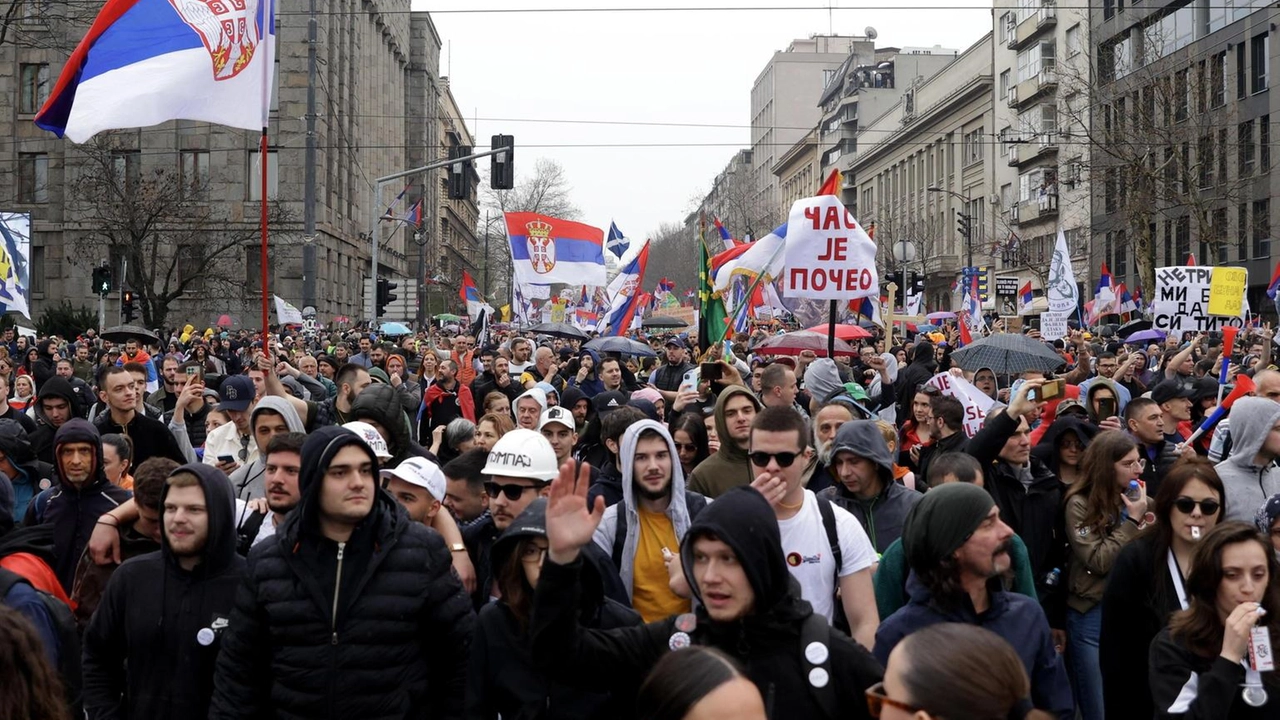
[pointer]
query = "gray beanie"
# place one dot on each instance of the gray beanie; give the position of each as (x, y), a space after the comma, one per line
(822, 378)
(942, 521)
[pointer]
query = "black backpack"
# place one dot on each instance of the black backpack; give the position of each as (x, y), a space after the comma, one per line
(692, 500)
(68, 636)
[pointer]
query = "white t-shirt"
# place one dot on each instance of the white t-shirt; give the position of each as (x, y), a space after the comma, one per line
(808, 554)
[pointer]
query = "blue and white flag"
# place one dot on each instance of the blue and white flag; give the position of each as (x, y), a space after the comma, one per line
(616, 241)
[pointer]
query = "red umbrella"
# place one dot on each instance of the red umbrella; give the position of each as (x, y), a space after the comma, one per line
(794, 343)
(843, 332)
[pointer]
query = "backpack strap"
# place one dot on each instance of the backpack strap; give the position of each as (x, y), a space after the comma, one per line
(815, 651)
(248, 532)
(619, 536)
(833, 537)
(8, 579)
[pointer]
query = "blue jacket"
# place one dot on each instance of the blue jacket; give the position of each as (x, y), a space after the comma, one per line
(1016, 618)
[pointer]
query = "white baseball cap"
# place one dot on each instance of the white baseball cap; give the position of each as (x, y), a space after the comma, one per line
(522, 453)
(370, 435)
(559, 415)
(421, 472)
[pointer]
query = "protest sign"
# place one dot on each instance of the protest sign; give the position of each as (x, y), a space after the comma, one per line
(828, 255)
(1181, 302)
(1226, 291)
(976, 403)
(1053, 325)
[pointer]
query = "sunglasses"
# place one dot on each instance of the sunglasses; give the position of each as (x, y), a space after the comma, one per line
(760, 458)
(877, 700)
(1186, 506)
(513, 492)
(691, 447)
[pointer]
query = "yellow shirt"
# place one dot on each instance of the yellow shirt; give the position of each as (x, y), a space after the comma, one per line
(651, 595)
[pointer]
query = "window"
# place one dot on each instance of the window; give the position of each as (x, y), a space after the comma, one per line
(1007, 30)
(1180, 94)
(973, 147)
(1110, 194)
(1204, 160)
(1004, 84)
(255, 176)
(1264, 143)
(1262, 229)
(1259, 62)
(1122, 256)
(33, 177)
(1223, 149)
(1073, 40)
(1220, 230)
(1218, 80)
(827, 77)
(1036, 184)
(36, 270)
(1200, 87)
(195, 170)
(253, 269)
(189, 263)
(1031, 60)
(1006, 195)
(1244, 143)
(1005, 140)
(1182, 236)
(35, 87)
(1240, 70)
(126, 167)
(1242, 229)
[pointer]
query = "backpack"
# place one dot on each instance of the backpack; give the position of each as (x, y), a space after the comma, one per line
(248, 532)
(68, 636)
(839, 621)
(693, 501)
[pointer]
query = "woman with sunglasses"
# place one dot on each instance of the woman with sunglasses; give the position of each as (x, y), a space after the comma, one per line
(1147, 584)
(1200, 665)
(1100, 520)
(954, 671)
(503, 681)
(690, 434)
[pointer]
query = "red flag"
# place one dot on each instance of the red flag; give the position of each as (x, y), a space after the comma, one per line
(1191, 259)
(965, 337)
(833, 183)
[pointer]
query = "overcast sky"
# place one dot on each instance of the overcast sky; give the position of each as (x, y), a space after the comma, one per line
(508, 69)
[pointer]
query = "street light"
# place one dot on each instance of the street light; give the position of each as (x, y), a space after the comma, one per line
(966, 228)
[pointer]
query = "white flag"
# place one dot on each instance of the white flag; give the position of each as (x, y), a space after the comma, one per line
(287, 314)
(1064, 296)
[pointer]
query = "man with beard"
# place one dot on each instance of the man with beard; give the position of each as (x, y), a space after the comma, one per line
(653, 517)
(958, 549)
(736, 408)
(496, 379)
(826, 422)
(521, 352)
(351, 380)
(667, 378)
(282, 463)
(56, 405)
(149, 650)
(863, 468)
(446, 400)
(946, 427)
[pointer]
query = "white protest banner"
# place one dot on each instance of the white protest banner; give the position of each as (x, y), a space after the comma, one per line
(287, 314)
(1061, 290)
(1181, 301)
(976, 403)
(1053, 325)
(828, 255)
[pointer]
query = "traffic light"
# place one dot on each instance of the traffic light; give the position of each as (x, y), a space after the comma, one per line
(965, 224)
(384, 295)
(459, 173)
(126, 305)
(917, 283)
(102, 280)
(502, 169)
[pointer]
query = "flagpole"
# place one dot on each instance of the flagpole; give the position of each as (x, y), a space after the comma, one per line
(266, 60)
(750, 291)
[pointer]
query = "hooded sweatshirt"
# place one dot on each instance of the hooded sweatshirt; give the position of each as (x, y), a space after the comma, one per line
(249, 482)
(42, 438)
(1248, 485)
(677, 509)
(74, 511)
(593, 385)
(151, 616)
(32, 475)
(378, 403)
(728, 467)
(881, 516)
(765, 642)
(535, 393)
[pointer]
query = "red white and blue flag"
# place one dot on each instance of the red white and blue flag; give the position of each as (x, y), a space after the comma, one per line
(665, 286)
(1274, 286)
(414, 216)
(1025, 298)
(546, 250)
(144, 62)
(725, 237)
(470, 295)
(625, 296)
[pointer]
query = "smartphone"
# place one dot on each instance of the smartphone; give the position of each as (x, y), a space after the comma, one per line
(226, 458)
(711, 371)
(1051, 389)
(690, 380)
(1106, 407)
(191, 371)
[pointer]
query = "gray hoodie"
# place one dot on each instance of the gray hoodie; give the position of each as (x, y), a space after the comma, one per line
(883, 515)
(1248, 485)
(250, 481)
(677, 509)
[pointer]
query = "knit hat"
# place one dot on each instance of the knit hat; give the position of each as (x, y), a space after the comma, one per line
(942, 521)
(822, 378)
(1267, 515)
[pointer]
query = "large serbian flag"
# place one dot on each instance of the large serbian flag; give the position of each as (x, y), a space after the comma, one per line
(147, 61)
(547, 250)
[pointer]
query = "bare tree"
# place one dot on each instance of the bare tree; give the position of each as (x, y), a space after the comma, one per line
(545, 191)
(674, 255)
(175, 241)
(45, 24)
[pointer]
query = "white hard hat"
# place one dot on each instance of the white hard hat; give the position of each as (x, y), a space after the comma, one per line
(522, 453)
(369, 434)
(421, 472)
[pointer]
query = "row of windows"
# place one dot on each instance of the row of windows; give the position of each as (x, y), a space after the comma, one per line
(1171, 240)
(193, 166)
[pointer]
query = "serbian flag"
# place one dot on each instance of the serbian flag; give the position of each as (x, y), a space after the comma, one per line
(1127, 305)
(414, 216)
(547, 250)
(1274, 285)
(470, 295)
(1104, 295)
(1025, 298)
(144, 62)
(665, 286)
(725, 237)
(625, 296)
(832, 184)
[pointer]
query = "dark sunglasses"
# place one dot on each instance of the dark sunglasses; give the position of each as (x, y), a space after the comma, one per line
(760, 458)
(1186, 506)
(693, 447)
(513, 492)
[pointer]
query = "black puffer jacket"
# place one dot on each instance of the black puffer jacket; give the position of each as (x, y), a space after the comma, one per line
(380, 404)
(398, 645)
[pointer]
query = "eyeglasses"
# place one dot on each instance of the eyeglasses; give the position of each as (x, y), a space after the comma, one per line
(760, 458)
(513, 492)
(1208, 506)
(876, 700)
(533, 554)
(1137, 464)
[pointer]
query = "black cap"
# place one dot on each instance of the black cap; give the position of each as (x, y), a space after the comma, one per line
(608, 401)
(1171, 389)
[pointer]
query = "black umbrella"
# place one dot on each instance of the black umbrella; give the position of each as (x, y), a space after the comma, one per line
(1007, 353)
(625, 346)
(1132, 327)
(560, 330)
(663, 321)
(124, 333)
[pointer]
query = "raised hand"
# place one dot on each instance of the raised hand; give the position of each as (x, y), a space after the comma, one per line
(570, 523)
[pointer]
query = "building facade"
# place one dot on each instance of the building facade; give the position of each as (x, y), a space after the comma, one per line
(799, 171)
(378, 98)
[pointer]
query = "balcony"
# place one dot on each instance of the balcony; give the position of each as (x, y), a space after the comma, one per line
(1025, 212)
(1039, 146)
(1045, 17)
(1045, 82)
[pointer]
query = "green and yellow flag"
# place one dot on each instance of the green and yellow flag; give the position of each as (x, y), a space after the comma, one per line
(711, 313)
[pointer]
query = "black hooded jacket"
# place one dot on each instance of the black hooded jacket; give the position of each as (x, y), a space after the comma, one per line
(398, 643)
(42, 438)
(32, 475)
(73, 511)
(150, 617)
(380, 404)
(504, 680)
(924, 365)
(766, 642)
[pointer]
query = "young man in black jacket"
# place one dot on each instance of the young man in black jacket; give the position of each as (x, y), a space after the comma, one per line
(749, 608)
(149, 650)
(394, 619)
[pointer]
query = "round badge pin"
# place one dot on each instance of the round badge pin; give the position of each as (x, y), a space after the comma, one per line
(687, 622)
(816, 653)
(205, 637)
(679, 640)
(819, 678)
(45, 484)
(1255, 695)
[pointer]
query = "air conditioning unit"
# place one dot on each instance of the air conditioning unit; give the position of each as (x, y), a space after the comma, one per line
(993, 200)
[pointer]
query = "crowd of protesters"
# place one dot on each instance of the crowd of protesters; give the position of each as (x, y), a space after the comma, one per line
(231, 524)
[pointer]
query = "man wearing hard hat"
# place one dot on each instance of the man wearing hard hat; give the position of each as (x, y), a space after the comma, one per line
(519, 470)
